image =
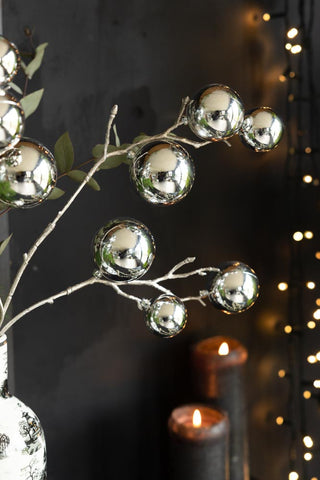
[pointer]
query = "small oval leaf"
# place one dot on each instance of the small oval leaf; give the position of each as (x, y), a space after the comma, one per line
(56, 193)
(15, 87)
(63, 153)
(35, 64)
(116, 136)
(4, 244)
(98, 150)
(141, 136)
(78, 176)
(31, 102)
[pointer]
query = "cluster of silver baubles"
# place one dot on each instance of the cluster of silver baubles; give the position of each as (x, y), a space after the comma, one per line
(124, 250)
(27, 169)
(163, 172)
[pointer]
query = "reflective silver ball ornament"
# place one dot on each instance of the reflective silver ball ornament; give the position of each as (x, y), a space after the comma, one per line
(215, 113)
(167, 316)
(124, 250)
(11, 122)
(28, 174)
(235, 288)
(9, 60)
(162, 172)
(262, 129)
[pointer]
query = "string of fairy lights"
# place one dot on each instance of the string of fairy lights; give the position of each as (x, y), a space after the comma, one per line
(303, 129)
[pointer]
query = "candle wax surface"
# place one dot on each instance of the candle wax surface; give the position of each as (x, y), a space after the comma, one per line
(214, 423)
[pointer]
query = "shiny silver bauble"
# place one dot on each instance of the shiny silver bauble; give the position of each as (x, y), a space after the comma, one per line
(261, 130)
(163, 172)
(167, 316)
(235, 288)
(124, 249)
(11, 122)
(215, 113)
(28, 174)
(9, 60)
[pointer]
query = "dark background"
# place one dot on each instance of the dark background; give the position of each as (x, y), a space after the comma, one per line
(101, 384)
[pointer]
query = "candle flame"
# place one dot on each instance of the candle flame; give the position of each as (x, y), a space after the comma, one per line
(196, 419)
(223, 349)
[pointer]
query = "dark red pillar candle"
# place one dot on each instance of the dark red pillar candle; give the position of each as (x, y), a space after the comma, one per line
(218, 375)
(198, 452)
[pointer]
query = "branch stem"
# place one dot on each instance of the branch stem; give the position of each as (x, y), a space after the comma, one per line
(116, 287)
(27, 256)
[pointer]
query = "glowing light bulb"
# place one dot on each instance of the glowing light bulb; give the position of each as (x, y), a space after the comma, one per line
(316, 384)
(281, 373)
(316, 314)
(223, 349)
(310, 285)
(307, 394)
(196, 418)
(308, 150)
(292, 74)
(266, 17)
(317, 255)
(287, 329)
(318, 356)
(312, 359)
(291, 97)
(308, 234)
(307, 456)
(318, 302)
(311, 324)
(288, 46)
(279, 420)
(282, 78)
(282, 286)
(295, 49)
(293, 476)
(297, 236)
(307, 440)
(307, 179)
(293, 32)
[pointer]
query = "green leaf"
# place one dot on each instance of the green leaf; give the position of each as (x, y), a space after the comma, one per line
(98, 150)
(111, 162)
(63, 153)
(31, 102)
(141, 136)
(79, 176)
(4, 244)
(35, 64)
(15, 87)
(116, 160)
(56, 193)
(116, 136)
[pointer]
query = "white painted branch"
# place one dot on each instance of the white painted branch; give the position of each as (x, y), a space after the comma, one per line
(155, 283)
(27, 256)
(167, 135)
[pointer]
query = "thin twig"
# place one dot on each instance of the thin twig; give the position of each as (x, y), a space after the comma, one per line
(49, 300)
(155, 283)
(27, 256)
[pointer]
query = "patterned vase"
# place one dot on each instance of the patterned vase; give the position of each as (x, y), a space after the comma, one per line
(22, 443)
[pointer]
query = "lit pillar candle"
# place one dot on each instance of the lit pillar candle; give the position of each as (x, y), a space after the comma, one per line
(199, 443)
(218, 375)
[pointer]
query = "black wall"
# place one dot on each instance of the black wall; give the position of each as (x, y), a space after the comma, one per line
(101, 384)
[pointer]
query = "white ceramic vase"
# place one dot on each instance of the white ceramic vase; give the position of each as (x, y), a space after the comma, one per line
(22, 442)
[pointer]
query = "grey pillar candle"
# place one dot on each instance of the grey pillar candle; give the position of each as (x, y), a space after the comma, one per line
(218, 375)
(198, 451)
